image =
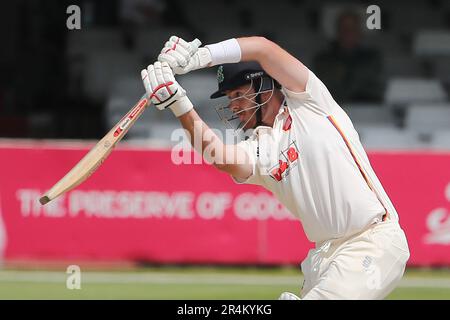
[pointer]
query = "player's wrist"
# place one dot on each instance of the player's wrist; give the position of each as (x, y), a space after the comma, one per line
(181, 106)
(204, 57)
(228, 51)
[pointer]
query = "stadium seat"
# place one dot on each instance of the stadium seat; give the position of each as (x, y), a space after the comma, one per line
(85, 41)
(389, 138)
(170, 132)
(128, 86)
(441, 139)
(199, 86)
(406, 19)
(425, 118)
(398, 65)
(441, 69)
(102, 68)
(369, 114)
(403, 91)
(432, 43)
(123, 94)
(389, 43)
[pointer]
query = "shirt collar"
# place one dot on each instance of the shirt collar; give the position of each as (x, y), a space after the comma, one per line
(281, 111)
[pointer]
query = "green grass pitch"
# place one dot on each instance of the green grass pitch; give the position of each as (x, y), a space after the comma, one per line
(180, 283)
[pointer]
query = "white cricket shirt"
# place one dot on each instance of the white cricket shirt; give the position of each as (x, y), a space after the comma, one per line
(312, 160)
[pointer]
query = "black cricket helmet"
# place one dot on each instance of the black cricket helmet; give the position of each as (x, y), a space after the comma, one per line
(232, 76)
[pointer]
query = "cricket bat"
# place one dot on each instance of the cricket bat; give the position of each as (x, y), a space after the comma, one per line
(95, 157)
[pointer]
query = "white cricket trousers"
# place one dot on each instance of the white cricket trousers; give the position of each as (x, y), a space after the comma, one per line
(364, 266)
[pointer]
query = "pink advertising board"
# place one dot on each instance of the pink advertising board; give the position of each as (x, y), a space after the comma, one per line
(140, 206)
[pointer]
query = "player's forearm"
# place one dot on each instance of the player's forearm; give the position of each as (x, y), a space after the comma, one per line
(277, 62)
(203, 139)
(226, 158)
(254, 48)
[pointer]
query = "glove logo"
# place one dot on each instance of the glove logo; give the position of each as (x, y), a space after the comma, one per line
(254, 75)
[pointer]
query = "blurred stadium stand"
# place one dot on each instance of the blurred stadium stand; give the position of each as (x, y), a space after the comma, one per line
(96, 75)
(404, 91)
(385, 137)
(441, 140)
(369, 115)
(428, 118)
(432, 43)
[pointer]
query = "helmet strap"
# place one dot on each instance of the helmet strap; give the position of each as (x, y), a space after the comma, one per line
(258, 86)
(258, 112)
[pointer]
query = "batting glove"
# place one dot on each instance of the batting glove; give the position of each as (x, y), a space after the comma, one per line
(163, 90)
(183, 56)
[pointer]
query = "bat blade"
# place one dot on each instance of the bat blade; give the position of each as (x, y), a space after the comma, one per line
(95, 157)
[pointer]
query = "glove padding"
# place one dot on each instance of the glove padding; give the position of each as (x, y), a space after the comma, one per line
(163, 90)
(184, 56)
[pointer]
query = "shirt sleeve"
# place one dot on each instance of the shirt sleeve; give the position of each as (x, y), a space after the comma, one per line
(316, 96)
(250, 146)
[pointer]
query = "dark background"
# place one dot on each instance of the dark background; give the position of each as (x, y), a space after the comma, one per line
(60, 83)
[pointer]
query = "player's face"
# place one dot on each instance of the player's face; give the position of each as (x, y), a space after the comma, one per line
(243, 107)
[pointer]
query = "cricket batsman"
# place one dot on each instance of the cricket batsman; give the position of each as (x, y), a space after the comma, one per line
(304, 149)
